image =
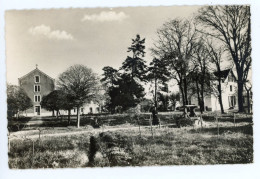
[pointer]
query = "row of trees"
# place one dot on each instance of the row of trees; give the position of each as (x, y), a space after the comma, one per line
(192, 49)
(188, 51)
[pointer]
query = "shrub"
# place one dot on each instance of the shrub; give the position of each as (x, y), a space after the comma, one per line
(183, 122)
(113, 146)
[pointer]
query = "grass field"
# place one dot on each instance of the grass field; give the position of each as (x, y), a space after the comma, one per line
(126, 145)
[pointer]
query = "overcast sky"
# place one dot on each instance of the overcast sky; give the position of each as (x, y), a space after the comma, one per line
(96, 37)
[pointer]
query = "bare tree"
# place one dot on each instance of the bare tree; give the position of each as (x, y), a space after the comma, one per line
(200, 74)
(231, 25)
(80, 82)
(175, 44)
(216, 58)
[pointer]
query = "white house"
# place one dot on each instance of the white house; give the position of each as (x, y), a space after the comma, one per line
(229, 93)
(88, 108)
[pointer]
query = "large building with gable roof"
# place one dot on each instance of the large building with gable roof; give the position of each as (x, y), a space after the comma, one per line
(37, 84)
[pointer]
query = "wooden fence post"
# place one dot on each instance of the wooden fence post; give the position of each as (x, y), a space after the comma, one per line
(151, 123)
(139, 126)
(234, 118)
(217, 125)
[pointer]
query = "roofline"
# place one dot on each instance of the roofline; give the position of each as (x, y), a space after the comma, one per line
(33, 71)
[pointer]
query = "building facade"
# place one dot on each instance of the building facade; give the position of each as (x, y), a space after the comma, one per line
(36, 84)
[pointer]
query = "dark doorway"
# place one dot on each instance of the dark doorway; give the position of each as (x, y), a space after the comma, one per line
(38, 110)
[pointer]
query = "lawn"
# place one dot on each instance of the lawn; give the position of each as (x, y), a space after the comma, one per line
(228, 143)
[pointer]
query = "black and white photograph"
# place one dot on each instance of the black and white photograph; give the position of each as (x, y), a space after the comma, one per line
(129, 87)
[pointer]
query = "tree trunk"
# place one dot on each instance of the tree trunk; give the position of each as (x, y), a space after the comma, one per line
(53, 113)
(155, 93)
(185, 90)
(240, 95)
(78, 117)
(248, 102)
(69, 117)
(198, 94)
(202, 107)
(182, 94)
(220, 96)
(17, 114)
(57, 114)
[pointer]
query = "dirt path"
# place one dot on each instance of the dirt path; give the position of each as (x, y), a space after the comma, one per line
(34, 134)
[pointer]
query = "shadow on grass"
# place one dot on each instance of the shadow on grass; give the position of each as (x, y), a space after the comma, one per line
(15, 124)
(228, 119)
(247, 129)
(58, 122)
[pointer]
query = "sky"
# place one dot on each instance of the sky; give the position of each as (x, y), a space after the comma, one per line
(55, 39)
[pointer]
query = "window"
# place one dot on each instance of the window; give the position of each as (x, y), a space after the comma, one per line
(37, 88)
(230, 87)
(37, 79)
(82, 109)
(37, 98)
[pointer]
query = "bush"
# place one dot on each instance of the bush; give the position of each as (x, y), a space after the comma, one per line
(113, 146)
(183, 122)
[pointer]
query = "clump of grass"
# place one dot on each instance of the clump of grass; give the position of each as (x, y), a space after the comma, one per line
(62, 152)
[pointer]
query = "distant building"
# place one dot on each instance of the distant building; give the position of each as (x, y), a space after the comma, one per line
(229, 93)
(37, 84)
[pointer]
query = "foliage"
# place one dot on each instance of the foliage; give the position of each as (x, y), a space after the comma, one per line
(128, 93)
(53, 101)
(17, 99)
(135, 64)
(111, 75)
(80, 83)
(157, 73)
